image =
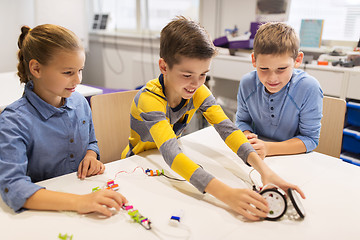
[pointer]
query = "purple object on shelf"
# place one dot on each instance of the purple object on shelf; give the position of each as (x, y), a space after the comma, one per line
(245, 44)
(242, 44)
(221, 41)
(254, 26)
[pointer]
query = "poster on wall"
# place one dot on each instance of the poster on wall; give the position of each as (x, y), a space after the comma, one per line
(311, 32)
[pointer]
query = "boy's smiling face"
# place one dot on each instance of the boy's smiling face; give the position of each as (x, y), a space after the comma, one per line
(275, 71)
(184, 78)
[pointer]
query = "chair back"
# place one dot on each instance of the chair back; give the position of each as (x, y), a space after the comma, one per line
(111, 117)
(332, 125)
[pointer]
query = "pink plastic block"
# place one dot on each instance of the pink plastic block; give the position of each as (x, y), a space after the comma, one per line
(109, 183)
(128, 207)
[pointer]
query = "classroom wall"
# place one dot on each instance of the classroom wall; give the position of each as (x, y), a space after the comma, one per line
(236, 12)
(218, 15)
(121, 62)
(14, 14)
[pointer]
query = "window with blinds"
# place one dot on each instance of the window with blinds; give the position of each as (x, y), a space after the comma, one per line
(140, 15)
(341, 17)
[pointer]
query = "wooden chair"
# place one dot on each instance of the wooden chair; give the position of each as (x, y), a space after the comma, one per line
(111, 117)
(332, 125)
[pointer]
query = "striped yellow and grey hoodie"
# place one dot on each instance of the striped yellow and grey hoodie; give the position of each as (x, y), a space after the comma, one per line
(154, 124)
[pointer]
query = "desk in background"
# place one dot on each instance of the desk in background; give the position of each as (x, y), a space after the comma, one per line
(331, 186)
(336, 81)
(227, 71)
(11, 89)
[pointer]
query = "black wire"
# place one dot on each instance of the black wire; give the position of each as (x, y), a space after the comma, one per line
(116, 42)
(106, 57)
(146, 35)
(104, 45)
(144, 79)
(176, 179)
(149, 36)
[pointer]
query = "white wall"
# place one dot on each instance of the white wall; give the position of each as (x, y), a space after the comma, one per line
(67, 13)
(237, 12)
(14, 14)
(121, 62)
(217, 15)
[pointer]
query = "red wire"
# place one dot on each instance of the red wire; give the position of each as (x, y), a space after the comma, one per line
(130, 172)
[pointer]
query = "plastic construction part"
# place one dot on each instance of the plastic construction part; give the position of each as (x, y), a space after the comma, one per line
(137, 217)
(176, 217)
(277, 203)
(295, 200)
(65, 236)
(127, 207)
(150, 172)
(114, 187)
(324, 63)
(111, 185)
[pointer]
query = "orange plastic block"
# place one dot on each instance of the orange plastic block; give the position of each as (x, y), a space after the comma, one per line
(323, 63)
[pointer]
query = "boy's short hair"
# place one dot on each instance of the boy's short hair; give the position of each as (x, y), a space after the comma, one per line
(276, 38)
(185, 38)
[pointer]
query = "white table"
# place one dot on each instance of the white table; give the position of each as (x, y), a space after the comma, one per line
(11, 89)
(331, 186)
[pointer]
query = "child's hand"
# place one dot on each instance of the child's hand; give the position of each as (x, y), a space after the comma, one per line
(249, 135)
(248, 203)
(244, 201)
(278, 181)
(100, 201)
(259, 146)
(90, 165)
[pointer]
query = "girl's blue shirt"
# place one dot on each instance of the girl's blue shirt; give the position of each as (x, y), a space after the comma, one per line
(39, 141)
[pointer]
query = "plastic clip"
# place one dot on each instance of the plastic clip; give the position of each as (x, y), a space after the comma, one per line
(150, 172)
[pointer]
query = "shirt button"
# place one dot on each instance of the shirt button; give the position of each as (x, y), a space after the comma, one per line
(6, 190)
(71, 155)
(272, 115)
(71, 140)
(272, 108)
(271, 100)
(83, 122)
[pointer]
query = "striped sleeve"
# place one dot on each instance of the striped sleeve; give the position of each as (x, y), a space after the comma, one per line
(152, 111)
(214, 114)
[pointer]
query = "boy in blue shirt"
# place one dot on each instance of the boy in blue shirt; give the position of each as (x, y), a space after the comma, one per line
(277, 101)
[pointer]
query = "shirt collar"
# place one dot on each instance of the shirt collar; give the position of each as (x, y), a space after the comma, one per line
(161, 81)
(183, 101)
(45, 109)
